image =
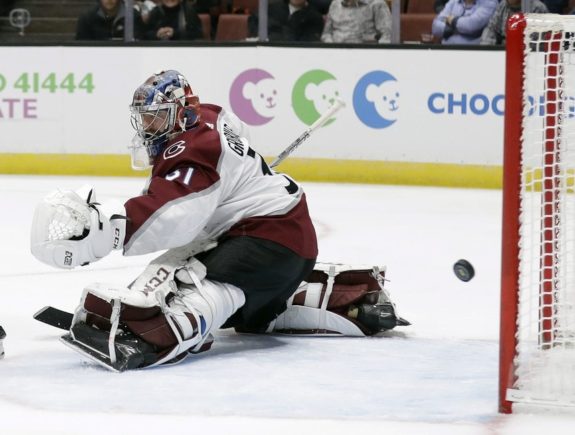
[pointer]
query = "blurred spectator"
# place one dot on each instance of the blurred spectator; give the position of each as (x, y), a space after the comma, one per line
(213, 8)
(207, 6)
(463, 21)
(106, 21)
(290, 20)
(174, 20)
(494, 33)
(322, 6)
(556, 6)
(438, 5)
(144, 7)
(358, 21)
(6, 7)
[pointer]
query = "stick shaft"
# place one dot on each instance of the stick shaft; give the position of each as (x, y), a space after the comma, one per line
(318, 123)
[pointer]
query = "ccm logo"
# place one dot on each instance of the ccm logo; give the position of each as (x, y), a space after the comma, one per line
(116, 238)
(161, 276)
(68, 258)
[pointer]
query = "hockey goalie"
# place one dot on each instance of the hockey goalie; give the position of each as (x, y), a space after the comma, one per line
(240, 247)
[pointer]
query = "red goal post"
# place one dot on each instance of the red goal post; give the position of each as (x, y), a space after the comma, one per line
(537, 335)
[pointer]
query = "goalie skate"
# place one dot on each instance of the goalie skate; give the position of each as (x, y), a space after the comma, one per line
(124, 352)
(378, 317)
(131, 352)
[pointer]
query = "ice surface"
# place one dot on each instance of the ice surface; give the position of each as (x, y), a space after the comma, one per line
(438, 376)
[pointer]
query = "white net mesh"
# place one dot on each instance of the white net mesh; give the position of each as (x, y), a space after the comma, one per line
(545, 358)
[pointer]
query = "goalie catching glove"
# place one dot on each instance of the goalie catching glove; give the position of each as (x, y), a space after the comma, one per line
(71, 229)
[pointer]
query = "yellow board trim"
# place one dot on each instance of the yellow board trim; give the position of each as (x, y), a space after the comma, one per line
(321, 170)
(68, 164)
(402, 173)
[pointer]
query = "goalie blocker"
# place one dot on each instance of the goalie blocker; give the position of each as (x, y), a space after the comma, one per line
(124, 329)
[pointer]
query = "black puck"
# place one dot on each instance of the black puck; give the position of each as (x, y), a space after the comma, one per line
(463, 270)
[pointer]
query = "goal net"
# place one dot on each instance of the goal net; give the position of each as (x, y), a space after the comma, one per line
(537, 356)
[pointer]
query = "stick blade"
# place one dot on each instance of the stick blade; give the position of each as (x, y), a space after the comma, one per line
(54, 317)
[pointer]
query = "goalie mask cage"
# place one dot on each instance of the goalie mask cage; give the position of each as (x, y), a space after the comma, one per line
(537, 339)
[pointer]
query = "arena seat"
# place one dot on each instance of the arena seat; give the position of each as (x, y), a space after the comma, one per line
(206, 20)
(414, 25)
(420, 7)
(232, 27)
(402, 4)
(245, 6)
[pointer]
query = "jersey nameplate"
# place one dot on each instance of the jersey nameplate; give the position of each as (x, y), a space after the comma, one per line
(234, 141)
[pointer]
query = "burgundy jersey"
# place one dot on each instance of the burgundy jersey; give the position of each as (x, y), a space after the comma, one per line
(208, 184)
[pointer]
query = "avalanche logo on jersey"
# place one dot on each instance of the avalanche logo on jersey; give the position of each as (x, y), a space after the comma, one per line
(376, 99)
(253, 96)
(174, 149)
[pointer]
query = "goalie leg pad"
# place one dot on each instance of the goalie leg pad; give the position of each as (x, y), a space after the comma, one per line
(340, 300)
(302, 320)
(161, 329)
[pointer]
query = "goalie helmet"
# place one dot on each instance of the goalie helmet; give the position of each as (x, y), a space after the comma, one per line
(163, 106)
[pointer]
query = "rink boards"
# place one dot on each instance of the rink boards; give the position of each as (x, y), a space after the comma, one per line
(409, 119)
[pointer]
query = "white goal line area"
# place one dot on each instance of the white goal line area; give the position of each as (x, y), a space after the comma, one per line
(541, 385)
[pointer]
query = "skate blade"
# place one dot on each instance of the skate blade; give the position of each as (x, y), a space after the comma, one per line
(90, 353)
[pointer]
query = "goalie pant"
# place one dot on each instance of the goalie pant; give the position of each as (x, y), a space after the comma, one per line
(142, 330)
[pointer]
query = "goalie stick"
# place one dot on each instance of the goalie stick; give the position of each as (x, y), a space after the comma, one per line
(338, 104)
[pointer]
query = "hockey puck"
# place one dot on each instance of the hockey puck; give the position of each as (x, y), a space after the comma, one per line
(463, 270)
